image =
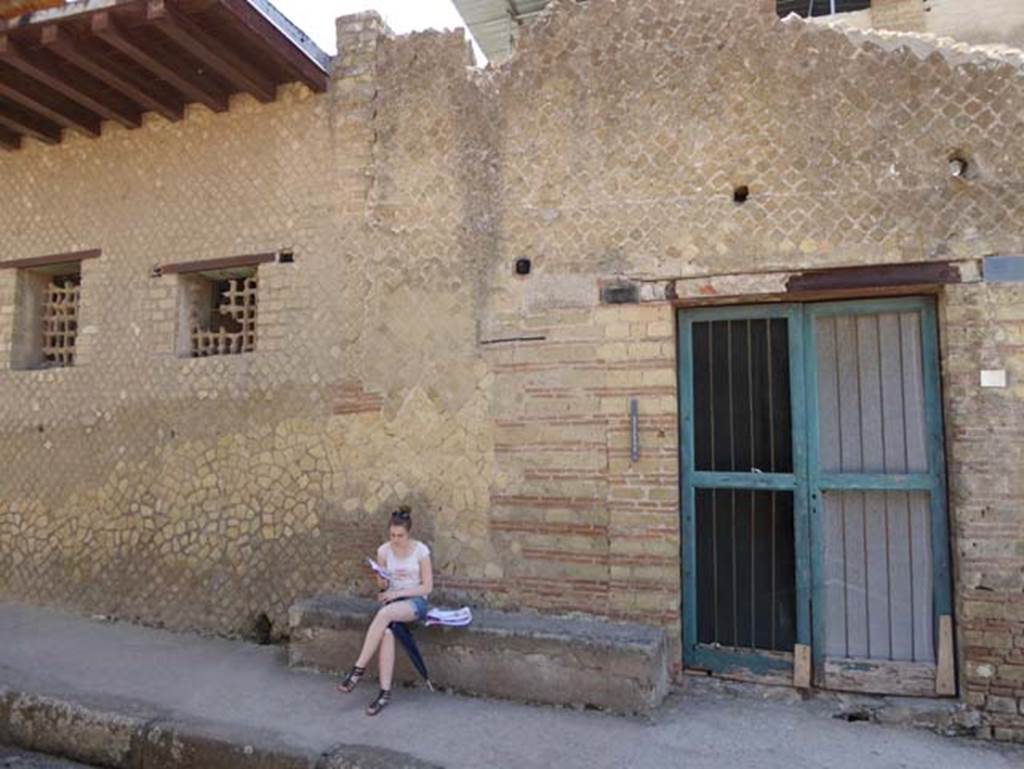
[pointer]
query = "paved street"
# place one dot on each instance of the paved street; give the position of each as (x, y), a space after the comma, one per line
(239, 684)
(11, 758)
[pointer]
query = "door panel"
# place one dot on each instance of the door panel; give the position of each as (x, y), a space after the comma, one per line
(813, 492)
(878, 576)
(746, 569)
(877, 486)
(743, 513)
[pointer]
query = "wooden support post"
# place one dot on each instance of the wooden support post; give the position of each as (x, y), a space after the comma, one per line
(945, 673)
(802, 666)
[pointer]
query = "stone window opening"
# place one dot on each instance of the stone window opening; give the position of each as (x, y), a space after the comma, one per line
(219, 313)
(48, 293)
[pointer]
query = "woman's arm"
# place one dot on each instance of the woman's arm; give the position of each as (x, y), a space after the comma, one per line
(382, 584)
(425, 587)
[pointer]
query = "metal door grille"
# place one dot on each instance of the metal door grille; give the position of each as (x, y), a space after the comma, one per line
(745, 558)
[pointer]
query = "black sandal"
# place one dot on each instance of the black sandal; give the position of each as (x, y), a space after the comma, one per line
(351, 679)
(380, 703)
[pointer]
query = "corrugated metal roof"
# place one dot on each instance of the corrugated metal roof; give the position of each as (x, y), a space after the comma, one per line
(495, 23)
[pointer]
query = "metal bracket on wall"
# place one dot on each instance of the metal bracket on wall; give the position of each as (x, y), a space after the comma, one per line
(634, 430)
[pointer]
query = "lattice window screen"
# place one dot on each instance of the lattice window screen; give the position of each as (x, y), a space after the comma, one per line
(60, 321)
(231, 328)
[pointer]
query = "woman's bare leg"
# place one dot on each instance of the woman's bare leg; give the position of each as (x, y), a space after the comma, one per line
(386, 659)
(401, 611)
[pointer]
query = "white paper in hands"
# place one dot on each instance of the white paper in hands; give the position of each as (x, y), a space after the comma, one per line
(379, 570)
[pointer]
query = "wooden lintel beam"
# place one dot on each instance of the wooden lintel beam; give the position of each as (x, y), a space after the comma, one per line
(62, 46)
(209, 51)
(17, 58)
(876, 276)
(301, 66)
(88, 123)
(9, 140)
(223, 263)
(105, 28)
(51, 259)
(37, 128)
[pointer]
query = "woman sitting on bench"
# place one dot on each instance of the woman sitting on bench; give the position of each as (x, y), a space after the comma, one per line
(404, 599)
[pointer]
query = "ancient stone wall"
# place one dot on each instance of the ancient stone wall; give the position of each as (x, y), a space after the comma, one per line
(203, 492)
(402, 358)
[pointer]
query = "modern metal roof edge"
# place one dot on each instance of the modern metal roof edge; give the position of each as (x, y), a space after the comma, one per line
(290, 30)
(284, 25)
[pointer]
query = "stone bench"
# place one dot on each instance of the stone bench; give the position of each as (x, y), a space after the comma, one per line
(556, 660)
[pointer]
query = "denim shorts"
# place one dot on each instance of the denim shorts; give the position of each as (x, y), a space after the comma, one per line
(419, 603)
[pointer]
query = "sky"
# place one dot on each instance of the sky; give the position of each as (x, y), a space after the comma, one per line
(316, 17)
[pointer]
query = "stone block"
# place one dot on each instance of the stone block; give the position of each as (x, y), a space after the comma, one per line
(102, 734)
(557, 660)
(183, 745)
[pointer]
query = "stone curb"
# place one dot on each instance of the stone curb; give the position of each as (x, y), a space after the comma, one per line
(120, 734)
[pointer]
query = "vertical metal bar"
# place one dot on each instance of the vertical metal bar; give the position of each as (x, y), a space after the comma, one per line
(753, 567)
(753, 500)
(732, 492)
(714, 466)
(771, 455)
(732, 421)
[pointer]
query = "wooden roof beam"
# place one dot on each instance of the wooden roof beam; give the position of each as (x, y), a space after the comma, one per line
(298, 63)
(9, 140)
(62, 46)
(105, 28)
(186, 34)
(83, 121)
(30, 126)
(16, 57)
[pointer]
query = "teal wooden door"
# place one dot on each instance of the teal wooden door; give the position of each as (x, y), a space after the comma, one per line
(876, 476)
(813, 492)
(744, 497)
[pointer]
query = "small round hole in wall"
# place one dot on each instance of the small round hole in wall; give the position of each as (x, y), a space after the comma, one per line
(740, 194)
(523, 266)
(959, 166)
